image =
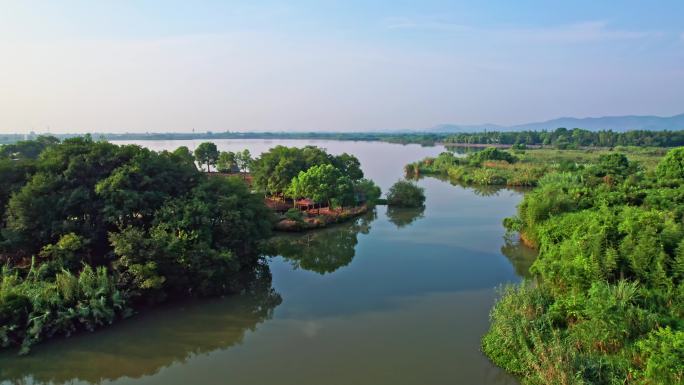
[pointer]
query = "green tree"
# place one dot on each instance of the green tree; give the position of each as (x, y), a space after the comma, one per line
(672, 165)
(349, 165)
(183, 153)
(405, 194)
(93, 229)
(491, 153)
(244, 160)
(207, 154)
(324, 183)
(273, 170)
(367, 190)
(227, 162)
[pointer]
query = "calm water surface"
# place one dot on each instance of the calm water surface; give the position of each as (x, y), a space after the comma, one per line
(396, 297)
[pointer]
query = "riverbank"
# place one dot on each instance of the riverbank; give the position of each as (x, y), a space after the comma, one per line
(319, 218)
(524, 167)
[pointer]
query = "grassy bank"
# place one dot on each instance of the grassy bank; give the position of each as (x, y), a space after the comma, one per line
(500, 167)
(606, 301)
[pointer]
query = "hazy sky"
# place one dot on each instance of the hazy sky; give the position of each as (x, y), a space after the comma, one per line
(116, 66)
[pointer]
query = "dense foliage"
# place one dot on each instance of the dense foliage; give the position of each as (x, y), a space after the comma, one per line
(575, 138)
(497, 167)
(491, 154)
(323, 183)
(405, 194)
(607, 302)
(207, 154)
(174, 335)
(91, 229)
(234, 162)
(274, 170)
(310, 172)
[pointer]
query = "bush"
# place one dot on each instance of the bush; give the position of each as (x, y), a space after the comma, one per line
(405, 194)
(491, 153)
(107, 228)
(664, 354)
(294, 215)
(672, 165)
(368, 190)
(607, 302)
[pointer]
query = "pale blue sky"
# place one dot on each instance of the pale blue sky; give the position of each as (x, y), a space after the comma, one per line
(333, 65)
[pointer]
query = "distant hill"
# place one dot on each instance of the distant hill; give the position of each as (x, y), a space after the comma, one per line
(615, 123)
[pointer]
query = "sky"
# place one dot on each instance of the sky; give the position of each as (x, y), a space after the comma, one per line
(177, 66)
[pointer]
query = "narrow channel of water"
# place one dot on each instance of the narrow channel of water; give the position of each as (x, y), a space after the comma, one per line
(395, 297)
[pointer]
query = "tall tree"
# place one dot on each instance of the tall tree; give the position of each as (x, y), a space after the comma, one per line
(325, 183)
(349, 165)
(227, 162)
(244, 160)
(207, 153)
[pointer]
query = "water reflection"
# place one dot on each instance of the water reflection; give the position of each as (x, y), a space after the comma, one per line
(520, 255)
(409, 307)
(479, 190)
(402, 217)
(145, 344)
(322, 251)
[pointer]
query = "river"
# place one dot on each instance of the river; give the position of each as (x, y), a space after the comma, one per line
(394, 297)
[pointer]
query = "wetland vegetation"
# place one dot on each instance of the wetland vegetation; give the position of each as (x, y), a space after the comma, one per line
(93, 231)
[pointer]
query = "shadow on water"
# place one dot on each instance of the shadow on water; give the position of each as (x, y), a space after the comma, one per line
(479, 190)
(322, 251)
(402, 217)
(143, 345)
(520, 255)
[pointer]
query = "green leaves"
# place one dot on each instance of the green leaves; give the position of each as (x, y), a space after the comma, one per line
(324, 183)
(111, 227)
(664, 355)
(611, 262)
(672, 165)
(274, 170)
(405, 194)
(207, 154)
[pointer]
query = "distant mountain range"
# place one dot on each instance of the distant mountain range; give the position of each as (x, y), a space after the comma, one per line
(615, 123)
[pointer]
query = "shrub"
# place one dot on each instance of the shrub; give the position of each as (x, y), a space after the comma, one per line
(405, 194)
(294, 215)
(491, 153)
(664, 355)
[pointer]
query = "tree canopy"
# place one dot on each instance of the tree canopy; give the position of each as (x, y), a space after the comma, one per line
(607, 301)
(274, 170)
(91, 229)
(405, 194)
(323, 183)
(227, 162)
(207, 154)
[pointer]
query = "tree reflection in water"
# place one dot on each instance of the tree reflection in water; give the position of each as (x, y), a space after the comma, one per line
(402, 217)
(521, 256)
(145, 344)
(479, 190)
(324, 250)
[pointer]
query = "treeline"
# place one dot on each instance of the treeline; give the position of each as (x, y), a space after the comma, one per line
(606, 305)
(90, 230)
(560, 137)
(575, 138)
